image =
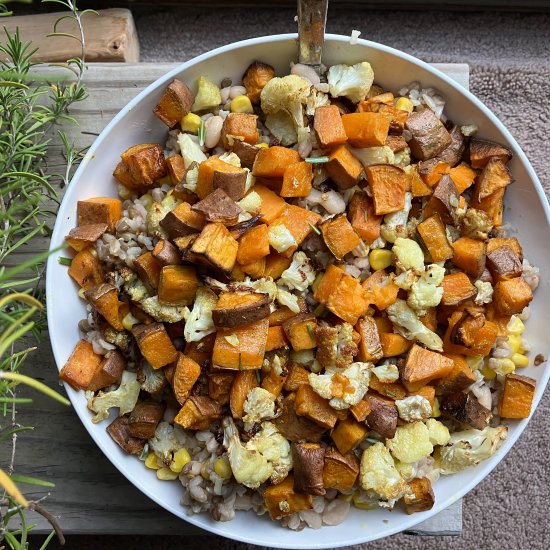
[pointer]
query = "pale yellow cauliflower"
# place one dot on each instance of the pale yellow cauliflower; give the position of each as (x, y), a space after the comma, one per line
(411, 442)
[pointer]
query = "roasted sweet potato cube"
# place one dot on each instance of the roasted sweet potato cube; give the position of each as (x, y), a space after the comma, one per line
(427, 392)
(503, 264)
(466, 409)
(420, 496)
(86, 269)
(429, 136)
(273, 382)
(383, 415)
(104, 298)
(176, 169)
(219, 386)
(297, 375)
(119, 431)
(294, 427)
(512, 296)
(85, 236)
(299, 222)
(360, 411)
(241, 348)
(469, 333)
(517, 396)
(246, 153)
(166, 253)
(362, 217)
(236, 309)
(256, 76)
(275, 265)
(307, 464)
(380, 290)
(182, 221)
(328, 126)
(431, 171)
(432, 231)
(300, 330)
(340, 470)
(469, 255)
(216, 247)
(366, 129)
(395, 143)
(186, 373)
(272, 205)
(148, 269)
(388, 185)
(201, 351)
(457, 289)
(110, 371)
(155, 344)
(99, 210)
(499, 242)
(254, 269)
(454, 152)
(495, 176)
(218, 207)
(418, 187)
(463, 177)
(370, 348)
(442, 200)
(82, 366)
(393, 344)
(492, 206)
(253, 245)
(282, 500)
(178, 285)
(423, 366)
(243, 383)
(460, 377)
(276, 338)
(175, 103)
(343, 168)
(339, 236)
(232, 183)
(271, 162)
(146, 165)
(348, 434)
(297, 180)
(482, 151)
(392, 390)
(314, 407)
(144, 419)
(207, 171)
(239, 127)
(198, 412)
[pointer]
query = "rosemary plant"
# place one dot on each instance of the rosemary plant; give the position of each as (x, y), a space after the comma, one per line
(34, 103)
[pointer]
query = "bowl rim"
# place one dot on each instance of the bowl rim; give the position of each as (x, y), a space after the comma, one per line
(412, 520)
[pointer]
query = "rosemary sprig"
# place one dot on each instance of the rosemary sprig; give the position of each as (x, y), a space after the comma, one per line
(317, 160)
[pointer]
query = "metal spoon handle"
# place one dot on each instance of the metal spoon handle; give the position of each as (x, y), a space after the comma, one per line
(312, 20)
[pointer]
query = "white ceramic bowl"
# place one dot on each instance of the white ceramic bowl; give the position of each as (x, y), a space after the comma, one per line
(527, 212)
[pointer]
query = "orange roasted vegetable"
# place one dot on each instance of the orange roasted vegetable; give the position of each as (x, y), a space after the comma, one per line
(388, 185)
(176, 169)
(253, 245)
(339, 236)
(216, 247)
(370, 347)
(297, 180)
(393, 344)
(241, 127)
(82, 366)
(511, 297)
(460, 377)
(432, 231)
(141, 166)
(271, 162)
(348, 434)
(219, 386)
(362, 217)
(469, 333)
(423, 366)
(275, 265)
(457, 288)
(328, 126)
(314, 407)
(299, 222)
(272, 205)
(300, 330)
(198, 412)
(208, 170)
(276, 338)
(243, 383)
(469, 255)
(273, 383)
(155, 344)
(366, 129)
(85, 236)
(340, 470)
(517, 396)
(276, 495)
(175, 103)
(86, 269)
(104, 298)
(463, 177)
(186, 373)
(255, 78)
(380, 289)
(431, 171)
(240, 308)
(420, 496)
(178, 285)
(148, 269)
(344, 168)
(99, 210)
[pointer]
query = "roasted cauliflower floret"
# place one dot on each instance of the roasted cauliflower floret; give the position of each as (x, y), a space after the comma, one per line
(426, 292)
(411, 442)
(167, 440)
(156, 213)
(280, 238)
(386, 373)
(124, 397)
(409, 255)
(164, 313)
(484, 292)
(134, 286)
(300, 274)
(476, 224)
(286, 298)
(208, 95)
(121, 339)
(414, 408)
(151, 380)
(395, 224)
(439, 433)
(379, 474)
(259, 405)
(282, 127)
(351, 81)
(199, 322)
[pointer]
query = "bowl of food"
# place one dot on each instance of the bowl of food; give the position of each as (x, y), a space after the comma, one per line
(295, 303)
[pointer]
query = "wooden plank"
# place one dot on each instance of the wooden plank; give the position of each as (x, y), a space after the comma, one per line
(110, 36)
(60, 449)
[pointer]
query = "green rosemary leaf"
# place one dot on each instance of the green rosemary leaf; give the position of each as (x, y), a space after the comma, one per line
(202, 133)
(315, 228)
(317, 160)
(64, 261)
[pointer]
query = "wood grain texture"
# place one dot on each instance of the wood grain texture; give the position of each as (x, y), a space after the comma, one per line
(91, 496)
(110, 36)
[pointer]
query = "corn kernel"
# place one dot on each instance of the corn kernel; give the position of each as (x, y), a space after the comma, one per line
(180, 459)
(205, 470)
(506, 366)
(123, 192)
(146, 200)
(514, 342)
(475, 362)
(380, 258)
(436, 412)
(152, 462)
(515, 326)
(129, 321)
(488, 374)
(241, 104)
(190, 123)
(404, 104)
(165, 474)
(520, 360)
(222, 468)
(263, 145)
(82, 293)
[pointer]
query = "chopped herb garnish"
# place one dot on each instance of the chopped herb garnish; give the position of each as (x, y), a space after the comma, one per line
(390, 393)
(261, 350)
(310, 332)
(317, 160)
(202, 133)
(64, 261)
(315, 228)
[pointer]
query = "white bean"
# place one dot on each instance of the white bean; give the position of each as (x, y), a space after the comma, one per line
(331, 201)
(224, 92)
(306, 72)
(236, 91)
(213, 130)
(336, 512)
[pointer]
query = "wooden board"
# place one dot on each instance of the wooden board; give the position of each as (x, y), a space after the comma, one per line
(110, 36)
(91, 496)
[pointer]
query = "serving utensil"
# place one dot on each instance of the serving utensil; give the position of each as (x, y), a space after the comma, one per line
(312, 20)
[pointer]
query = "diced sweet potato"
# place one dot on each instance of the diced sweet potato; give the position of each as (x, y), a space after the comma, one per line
(241, 348)
(492, 205)
(393, 344)
(431, 171)
(198, 412)
(232, 183)
(272, 205)
(82, 366)
(348, 434)
(276, 338)
(432, 231)
(360, 411)
(370, 348)
(275, 265)
(314, 407)
(182, 221)
(271, 162)
(344, 169)
(118, 429)
(328, 126)
(517, 396)
(216, 247)
(511, 242)
(148, 269)
(396, 143)
(460, 377)
(219, 386)
(254, 269)
(442, 200)
(99, 210)
(418, 187)
(218, 207)
(297, 180)
(453, 153)
(383, 416)
(297, 375)
(463, 177)
(503, 264)
(273, 383)
(362, 217)
(466, 409)
(481, 151)
(104, 298)
(340, 471)
(512, 296)
(253, 245)
(176, 168)
(420, 496)
(495, 176)
(239, 127)
(282, 500)
(85, 236)
(178, 285)
(246, 153)
(110, 371)
(423, 366)
(307, 464)
(380, 289)
(166, 253)
(296, 428)
(243, 383)
(388, 185)
(339, 236)
(299, 222)
(86, 269)
(236, 309)
(366, 129)
(144, 419)
(429, 136)
(469, 255)
(300, 330)
(175, 103)
(392, 390)
(469, 333)
(427, 392)
(146, 165)
(155, 344)
(208, 170)
(457, 289)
